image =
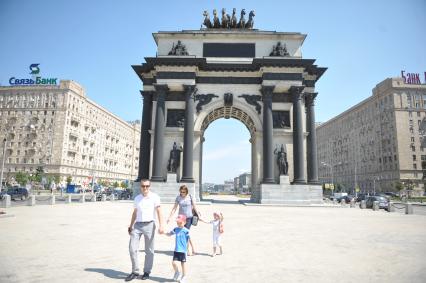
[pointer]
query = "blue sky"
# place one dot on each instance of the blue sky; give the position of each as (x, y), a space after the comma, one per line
(94, 43)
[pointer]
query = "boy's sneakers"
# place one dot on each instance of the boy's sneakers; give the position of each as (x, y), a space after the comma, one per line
(182, 280)
(176, 276)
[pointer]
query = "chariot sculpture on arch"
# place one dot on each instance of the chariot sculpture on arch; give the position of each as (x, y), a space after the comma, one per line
(227, 21)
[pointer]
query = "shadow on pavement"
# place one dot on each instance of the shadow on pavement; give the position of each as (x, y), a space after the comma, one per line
(108, 272)
(160, 279)
(114, 274)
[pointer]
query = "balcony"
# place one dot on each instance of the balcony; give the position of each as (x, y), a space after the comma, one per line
(74, 133)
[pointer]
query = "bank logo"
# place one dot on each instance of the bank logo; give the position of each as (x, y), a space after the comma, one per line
(35, 70)
(35, 79)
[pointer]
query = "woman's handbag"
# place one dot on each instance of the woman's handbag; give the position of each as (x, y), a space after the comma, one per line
(194, 214)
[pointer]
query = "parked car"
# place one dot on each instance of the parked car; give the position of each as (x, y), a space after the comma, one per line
(122, 194)
(2, 194)
(346, 199)
(16, 193)
(383, 202)
(361, 197)
(391, 194)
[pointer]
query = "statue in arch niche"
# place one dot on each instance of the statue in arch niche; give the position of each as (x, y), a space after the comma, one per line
(174, 159)
(282, 160)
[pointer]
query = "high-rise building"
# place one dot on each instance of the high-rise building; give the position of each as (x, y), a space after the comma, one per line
(58, 128)
(377, 144)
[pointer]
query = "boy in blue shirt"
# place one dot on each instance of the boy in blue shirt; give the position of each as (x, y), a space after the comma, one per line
(181, 246)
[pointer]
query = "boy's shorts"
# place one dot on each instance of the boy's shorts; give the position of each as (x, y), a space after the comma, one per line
(177, 256)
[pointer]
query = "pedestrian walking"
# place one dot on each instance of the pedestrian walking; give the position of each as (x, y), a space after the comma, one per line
(187, 207)
(181, 246)
(146, 210)
(218, 230)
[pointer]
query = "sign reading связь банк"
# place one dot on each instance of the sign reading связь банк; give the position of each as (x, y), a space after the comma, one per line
(412, 78)
(35, 80)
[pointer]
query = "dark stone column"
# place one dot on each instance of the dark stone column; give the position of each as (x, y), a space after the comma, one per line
(157, 172)
(188, 138)
(268, 154)
(312, 138)
(145, 142)
(298, 156)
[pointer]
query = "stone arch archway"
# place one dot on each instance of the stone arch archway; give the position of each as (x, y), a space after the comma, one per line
(250, 121)
(272, 95)
(229, 112)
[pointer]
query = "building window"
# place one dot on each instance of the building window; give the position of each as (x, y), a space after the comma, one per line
(413, 148)
(418, 114)
(414, 157)
(410, 114)
(414, 166)
(412, 139)
(410, 122)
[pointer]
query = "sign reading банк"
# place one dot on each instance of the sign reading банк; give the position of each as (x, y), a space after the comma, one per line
(412, 78)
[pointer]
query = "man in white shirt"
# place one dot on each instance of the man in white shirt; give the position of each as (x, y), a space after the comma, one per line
(143, 223)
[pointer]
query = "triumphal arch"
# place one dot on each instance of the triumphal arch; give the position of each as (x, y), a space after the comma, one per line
(228, 69)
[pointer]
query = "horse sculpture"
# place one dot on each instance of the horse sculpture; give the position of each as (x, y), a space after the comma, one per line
(207, 21)
(216, 22)
(242, 22)
(233, 21)
(250, 22)
(225, 19)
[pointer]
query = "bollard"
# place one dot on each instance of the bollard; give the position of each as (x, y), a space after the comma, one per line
(82, 198)
(52, 200)
(93, 198)
(112, 197)
(343, 203)
(352, 203)
(363, 205)
(334, 201)
(391, 208)
(408, 208)
(375, 205)
(103, 197)
(69, 199)
(7, 201)
(31, 200)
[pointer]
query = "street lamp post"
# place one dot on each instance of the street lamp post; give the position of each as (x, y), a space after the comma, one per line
(2, 164)
(332, 174)
(374, 184)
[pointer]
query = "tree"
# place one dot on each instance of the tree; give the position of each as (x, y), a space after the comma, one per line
(103, 183)
(39, 174)
(57, 178)
(69, 180)
(398, 186)
(124, 185)
(115, 185)
(21, 178)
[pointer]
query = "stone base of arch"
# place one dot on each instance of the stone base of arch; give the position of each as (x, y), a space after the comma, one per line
(287, 194)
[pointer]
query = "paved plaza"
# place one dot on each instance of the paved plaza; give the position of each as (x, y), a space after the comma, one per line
(88, 242)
